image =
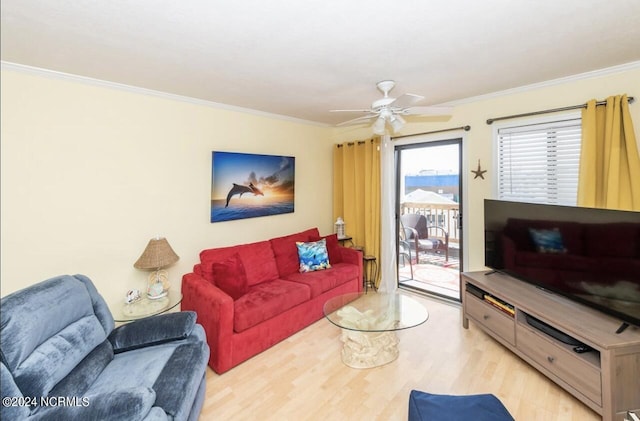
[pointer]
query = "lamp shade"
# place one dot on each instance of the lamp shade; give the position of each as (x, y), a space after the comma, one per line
(156, 255)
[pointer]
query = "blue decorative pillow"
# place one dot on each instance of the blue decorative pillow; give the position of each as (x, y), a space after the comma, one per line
(313, 255)
(547, 241)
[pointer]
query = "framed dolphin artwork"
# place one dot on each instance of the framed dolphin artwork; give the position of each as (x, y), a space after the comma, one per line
(251, 185)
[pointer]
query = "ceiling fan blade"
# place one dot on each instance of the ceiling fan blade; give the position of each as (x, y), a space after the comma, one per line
(427, 111)
(359, 120)
(368, 110)
(406, 100)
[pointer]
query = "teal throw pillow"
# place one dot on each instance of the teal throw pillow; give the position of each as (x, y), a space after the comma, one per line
(313, 255)
(547, 241)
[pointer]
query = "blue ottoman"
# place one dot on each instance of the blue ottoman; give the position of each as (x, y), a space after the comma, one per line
(427, 407)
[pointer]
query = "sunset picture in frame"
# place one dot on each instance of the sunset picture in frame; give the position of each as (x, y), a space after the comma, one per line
(251, 185)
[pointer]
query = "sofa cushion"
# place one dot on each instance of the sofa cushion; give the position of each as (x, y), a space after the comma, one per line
(257, 258)
(85, 374)
(230, 276)
(333, 247)
(324, 280)
(58, 355)
(313, 255)
(140, 367)
(266, 300)
(286, 252)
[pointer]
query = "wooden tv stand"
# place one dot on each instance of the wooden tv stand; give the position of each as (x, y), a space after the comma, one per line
(607, 379)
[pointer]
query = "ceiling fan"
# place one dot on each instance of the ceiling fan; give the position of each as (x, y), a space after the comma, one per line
(388, 110)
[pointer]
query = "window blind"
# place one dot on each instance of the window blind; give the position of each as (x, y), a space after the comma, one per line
(539, 163)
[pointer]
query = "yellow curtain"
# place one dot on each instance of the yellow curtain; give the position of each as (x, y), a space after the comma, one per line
(609, 161)
(356, 193)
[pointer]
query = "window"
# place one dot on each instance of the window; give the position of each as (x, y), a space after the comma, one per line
(539, 163)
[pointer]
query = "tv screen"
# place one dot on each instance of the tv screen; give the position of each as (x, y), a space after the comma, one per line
(589, 255)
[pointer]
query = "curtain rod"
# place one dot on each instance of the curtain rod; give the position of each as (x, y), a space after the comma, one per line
(552, 110)
(359, 142)
(465, 128)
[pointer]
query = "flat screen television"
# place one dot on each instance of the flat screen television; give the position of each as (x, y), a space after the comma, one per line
(588, 255)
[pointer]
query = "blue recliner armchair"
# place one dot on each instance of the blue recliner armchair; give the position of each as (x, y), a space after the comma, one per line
(63, 359)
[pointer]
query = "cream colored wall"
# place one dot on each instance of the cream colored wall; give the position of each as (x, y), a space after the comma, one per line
(91, 173)
(478, 142)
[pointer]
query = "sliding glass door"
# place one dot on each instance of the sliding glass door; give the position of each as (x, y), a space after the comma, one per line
(429, 209)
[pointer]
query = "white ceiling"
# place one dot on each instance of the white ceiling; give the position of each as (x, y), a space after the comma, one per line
(303, 58)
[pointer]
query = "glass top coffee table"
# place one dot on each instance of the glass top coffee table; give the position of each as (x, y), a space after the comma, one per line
(369, 323)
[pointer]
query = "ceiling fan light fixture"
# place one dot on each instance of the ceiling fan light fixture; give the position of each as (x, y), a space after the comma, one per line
(378, 126)
(397, 123)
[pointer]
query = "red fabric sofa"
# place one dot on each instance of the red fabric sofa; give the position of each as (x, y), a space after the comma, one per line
(593, 252)
(277, 299)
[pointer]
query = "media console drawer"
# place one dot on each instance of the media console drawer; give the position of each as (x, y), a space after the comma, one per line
(491, 318)
(563, 363)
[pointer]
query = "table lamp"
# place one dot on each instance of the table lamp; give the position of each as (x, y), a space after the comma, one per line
(339, 228)
(156, 255)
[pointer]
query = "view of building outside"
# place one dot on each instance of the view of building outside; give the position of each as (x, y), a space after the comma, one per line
(430, 184)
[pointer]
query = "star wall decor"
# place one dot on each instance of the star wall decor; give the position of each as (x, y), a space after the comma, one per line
(479, 172)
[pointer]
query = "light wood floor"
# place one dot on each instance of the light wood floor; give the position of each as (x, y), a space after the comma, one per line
(303, 378)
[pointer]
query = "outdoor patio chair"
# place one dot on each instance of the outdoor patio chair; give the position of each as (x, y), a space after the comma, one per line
(404, 249)
(418, 234)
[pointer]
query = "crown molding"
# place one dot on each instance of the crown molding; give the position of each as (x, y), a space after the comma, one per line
(150, 92)
(553, 82)
(52, 74)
